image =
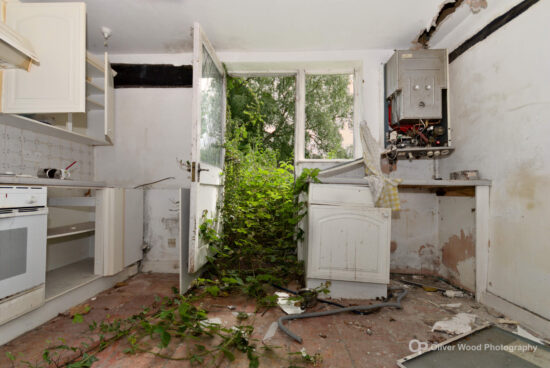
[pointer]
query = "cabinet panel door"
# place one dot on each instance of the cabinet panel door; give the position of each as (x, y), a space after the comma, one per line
(349, 243)
(109, 102)
(58, 33)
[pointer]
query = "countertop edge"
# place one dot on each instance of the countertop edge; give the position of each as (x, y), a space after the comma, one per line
(6, 180)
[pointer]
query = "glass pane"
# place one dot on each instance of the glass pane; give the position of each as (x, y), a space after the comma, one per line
(329, 116)
(276, 96)
(211, 89)
(13, 252)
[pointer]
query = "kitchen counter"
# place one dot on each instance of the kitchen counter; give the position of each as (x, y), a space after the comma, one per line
(430, 183)
(11, 180)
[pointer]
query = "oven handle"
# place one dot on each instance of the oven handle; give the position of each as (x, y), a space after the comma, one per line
(40, 211)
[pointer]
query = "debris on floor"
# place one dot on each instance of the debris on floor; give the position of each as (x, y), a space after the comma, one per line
(488, 346)
(454, 294)
(506, 321)
(526, 334)
(452, 305)
(339, 340)
(288, 304)
(457, 325)
(270, 331)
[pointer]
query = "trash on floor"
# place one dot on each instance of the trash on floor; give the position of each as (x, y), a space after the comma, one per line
(457, 325)
(288, 304)
(452, 305)
(426, 287)
(487, 346)
(270, 331)
(454, 294)
(506, 321)
(526, 334)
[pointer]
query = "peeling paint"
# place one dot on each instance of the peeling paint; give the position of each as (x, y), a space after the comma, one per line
(458, 249)
(393, 247)
(429, 257)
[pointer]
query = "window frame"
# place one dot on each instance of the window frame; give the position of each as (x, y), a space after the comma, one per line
(300, 123)
(300, 112)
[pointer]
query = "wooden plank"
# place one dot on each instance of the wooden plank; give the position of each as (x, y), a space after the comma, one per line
(68, 230)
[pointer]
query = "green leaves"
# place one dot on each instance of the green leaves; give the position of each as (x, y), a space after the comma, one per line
(213, 290)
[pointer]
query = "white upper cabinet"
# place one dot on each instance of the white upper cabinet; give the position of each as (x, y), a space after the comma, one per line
(58, 33)
(109, 101)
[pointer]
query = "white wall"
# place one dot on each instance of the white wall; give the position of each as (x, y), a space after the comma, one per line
(152, 131)
(499, 102)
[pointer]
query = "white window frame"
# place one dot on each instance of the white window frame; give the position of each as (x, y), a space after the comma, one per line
(300, 117)
(300, 123)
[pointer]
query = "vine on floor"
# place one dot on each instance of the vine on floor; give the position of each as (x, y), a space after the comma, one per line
(174, 320)
(263, 206)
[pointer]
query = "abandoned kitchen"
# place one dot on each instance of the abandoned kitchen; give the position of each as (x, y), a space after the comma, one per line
(246, 183)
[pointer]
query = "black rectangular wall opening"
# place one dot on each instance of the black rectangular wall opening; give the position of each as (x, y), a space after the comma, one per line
(153, 76)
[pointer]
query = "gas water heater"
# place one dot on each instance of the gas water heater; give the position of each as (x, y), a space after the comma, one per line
(417, 122)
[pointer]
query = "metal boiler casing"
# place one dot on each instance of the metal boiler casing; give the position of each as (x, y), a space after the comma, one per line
(414, 81)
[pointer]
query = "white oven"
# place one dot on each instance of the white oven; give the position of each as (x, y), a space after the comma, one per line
(23, 233)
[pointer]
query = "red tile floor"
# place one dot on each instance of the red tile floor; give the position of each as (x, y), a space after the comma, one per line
(343, 340)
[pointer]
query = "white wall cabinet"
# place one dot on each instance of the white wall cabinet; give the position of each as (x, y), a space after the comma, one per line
(70, 95)
(58, 33)
(348, 241)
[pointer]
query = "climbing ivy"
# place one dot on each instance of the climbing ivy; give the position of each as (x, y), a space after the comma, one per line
(261, 213)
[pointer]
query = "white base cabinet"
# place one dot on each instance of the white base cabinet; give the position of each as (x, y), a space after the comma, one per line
(348, 241)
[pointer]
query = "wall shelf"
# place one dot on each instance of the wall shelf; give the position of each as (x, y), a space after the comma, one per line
(36, 126)
(94, 67)
(68, 230)
(71, 202)
(93, 105)
(93, 89)
(64, 279)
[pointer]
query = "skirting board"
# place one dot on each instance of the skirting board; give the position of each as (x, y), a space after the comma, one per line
(533, 322)
(350, 289)
(53, 307)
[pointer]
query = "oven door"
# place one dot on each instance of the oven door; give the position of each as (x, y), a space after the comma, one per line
(22, 249)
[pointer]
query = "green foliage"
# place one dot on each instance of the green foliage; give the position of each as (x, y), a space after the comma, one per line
(262, 206)
(265, 107)
(329, 108)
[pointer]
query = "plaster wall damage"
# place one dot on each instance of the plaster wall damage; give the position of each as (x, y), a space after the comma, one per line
(503, 132)
(434, 235)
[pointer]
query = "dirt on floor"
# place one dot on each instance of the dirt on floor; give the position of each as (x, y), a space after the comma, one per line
(346, 340)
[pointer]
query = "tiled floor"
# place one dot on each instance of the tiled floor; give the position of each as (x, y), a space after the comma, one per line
(344, 340)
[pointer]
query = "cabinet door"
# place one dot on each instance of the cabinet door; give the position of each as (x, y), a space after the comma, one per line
(58, 33)
(109, 231)
(109, 102)
(349, 243)
(133, 226)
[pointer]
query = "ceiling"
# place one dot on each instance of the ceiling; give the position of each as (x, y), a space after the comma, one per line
(164, 26)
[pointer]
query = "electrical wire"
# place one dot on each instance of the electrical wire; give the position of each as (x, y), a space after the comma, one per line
(154, 182)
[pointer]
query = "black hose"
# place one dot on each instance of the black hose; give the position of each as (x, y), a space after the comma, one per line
(318, 299)
(361, 308)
